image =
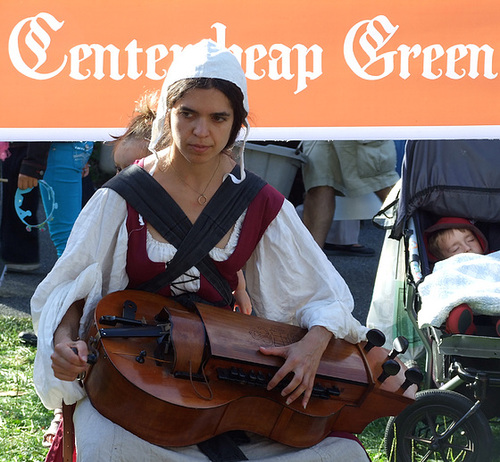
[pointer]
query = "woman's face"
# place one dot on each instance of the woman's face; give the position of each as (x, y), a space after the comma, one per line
(201, 124)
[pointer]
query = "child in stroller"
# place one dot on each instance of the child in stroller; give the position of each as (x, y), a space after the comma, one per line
(450, 418)
(448, 237)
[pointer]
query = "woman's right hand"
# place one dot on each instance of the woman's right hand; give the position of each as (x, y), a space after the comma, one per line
(69, 359)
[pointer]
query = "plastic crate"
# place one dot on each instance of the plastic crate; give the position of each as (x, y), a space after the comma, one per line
(276, 164)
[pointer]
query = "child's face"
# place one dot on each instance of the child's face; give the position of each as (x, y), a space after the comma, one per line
(459, 241)
(126, 151)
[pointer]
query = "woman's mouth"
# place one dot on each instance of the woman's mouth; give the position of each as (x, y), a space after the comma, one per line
(200, 148)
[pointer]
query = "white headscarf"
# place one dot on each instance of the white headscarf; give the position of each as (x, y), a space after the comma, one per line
(204, 59)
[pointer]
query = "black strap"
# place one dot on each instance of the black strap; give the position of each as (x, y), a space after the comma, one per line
(224, 447)
(193, 242)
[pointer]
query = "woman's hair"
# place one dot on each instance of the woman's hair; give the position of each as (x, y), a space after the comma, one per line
(233, 93)
(140, 125)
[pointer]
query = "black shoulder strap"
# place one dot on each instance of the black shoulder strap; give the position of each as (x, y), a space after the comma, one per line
(193, 242)
(149, 198)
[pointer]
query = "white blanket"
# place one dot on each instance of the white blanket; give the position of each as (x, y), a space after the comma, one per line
(464, 278)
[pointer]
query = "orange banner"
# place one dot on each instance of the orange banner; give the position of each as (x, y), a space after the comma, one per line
(330, 69)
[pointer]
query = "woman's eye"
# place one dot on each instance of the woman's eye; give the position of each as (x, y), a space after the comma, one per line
(184, 113)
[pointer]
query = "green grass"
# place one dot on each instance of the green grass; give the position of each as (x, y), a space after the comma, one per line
(373, 440)
(23, 418)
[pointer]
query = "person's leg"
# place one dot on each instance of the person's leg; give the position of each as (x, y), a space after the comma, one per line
(319, 208)
(319, 176)
(343, 239)
(344, 232)
(64, 176)
(383, 193)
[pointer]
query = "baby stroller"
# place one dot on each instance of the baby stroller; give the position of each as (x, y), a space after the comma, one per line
(449, 420)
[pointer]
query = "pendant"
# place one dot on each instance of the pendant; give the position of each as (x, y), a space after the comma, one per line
(202, 199)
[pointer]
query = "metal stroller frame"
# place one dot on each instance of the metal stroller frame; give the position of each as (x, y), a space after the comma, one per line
(448, 421)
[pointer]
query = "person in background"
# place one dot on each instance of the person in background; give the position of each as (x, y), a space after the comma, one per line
(23, 165)
(133, 143)
(66, 167)
(62, 166)
(351, 168)
(343, 239)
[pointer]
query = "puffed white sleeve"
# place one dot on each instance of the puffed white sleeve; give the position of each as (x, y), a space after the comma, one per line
(92, 265)
(290, 280)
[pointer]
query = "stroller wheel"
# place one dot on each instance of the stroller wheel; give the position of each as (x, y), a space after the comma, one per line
(416, 434)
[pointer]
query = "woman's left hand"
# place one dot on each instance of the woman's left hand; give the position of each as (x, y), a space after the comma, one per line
(302, 359)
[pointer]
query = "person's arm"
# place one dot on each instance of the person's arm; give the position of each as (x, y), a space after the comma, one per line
(242, 300)
(70, 353)
(294, 282)
(302, 359)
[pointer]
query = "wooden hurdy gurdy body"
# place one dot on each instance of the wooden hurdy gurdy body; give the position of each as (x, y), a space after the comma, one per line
(176, 376)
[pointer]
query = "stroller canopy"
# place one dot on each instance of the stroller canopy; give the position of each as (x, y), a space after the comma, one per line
(450, 178)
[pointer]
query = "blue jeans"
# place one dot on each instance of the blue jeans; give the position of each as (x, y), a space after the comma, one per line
(64, 174)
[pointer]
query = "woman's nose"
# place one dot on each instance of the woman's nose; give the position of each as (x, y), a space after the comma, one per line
(201, 127)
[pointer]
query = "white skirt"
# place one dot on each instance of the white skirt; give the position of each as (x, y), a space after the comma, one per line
(98, 439)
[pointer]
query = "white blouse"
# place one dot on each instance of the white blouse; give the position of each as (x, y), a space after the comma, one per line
(289, 279)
